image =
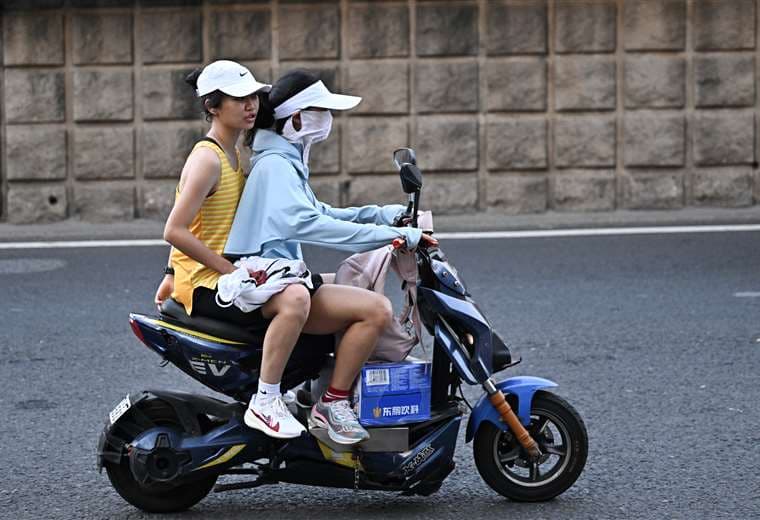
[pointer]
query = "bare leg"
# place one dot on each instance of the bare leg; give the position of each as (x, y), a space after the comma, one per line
(362, 313)
(288, 311)
(266, 411)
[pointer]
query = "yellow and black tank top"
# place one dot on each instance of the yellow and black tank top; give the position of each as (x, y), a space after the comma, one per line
(211, 226)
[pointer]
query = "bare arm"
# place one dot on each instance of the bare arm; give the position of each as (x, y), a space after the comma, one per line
(200, 175)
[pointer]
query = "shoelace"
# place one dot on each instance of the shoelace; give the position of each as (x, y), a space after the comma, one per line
(280, 409)
(342, 411)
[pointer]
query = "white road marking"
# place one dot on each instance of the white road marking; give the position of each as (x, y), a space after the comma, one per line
(747, 294)
(476, 235)
(653, 230)
(81, 243)
(30, 265)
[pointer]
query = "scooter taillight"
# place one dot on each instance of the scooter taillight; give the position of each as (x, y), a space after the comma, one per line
(136, 329)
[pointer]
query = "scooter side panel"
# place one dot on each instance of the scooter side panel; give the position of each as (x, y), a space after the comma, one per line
(524, 387)
(229, 367)
(449, 344)
(227, 445)
(414, 465)
(216, 365)
(473, 369)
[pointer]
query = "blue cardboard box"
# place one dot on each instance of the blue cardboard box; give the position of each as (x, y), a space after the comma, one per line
(388, 394)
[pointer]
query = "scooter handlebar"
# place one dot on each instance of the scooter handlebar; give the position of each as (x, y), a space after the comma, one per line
(426, 241)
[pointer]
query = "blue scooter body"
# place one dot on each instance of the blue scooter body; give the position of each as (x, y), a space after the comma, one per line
(225, 366)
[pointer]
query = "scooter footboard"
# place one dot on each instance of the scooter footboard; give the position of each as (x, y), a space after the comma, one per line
(522, 387)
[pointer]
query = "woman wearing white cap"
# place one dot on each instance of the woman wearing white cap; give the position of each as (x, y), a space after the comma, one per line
(278, 211)
(205, 202)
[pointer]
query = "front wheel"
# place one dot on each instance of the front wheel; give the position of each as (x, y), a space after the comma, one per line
(505, 466)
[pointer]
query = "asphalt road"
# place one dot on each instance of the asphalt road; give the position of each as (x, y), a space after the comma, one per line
(654, 339)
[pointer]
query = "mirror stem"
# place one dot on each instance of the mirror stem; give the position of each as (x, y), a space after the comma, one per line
(415, 207)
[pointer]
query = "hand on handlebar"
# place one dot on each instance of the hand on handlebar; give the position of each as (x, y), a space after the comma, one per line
(426, 241)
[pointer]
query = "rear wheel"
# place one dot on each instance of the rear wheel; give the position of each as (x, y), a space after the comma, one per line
(157, 497)
(505, 466)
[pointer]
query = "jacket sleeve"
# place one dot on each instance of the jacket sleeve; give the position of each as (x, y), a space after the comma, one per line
(371, 214)
(294, 217)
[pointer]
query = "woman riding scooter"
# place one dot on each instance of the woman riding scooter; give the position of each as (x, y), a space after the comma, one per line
(278, 211)
(205, 201)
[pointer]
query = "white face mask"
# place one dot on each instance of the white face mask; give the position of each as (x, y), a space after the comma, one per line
(315, 127)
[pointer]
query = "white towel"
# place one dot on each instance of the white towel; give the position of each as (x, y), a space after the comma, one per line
(240, 289)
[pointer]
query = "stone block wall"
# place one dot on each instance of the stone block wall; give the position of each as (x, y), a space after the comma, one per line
(513, 106)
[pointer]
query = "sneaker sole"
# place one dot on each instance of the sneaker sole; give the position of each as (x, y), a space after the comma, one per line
(336, 437)
(257, 424)
(320, 422)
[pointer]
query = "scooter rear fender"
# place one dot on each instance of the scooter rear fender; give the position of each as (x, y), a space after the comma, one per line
(523, 387)
(187, 408)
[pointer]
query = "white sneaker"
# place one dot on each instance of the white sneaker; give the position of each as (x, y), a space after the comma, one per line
(274, 419)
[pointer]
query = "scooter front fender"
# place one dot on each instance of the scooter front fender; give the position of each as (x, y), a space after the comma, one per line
(523, 387)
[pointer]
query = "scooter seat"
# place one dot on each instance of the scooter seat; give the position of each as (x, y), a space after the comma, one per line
(174, 312)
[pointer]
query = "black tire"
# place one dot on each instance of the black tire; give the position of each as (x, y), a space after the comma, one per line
(501, 460)
(158, 498)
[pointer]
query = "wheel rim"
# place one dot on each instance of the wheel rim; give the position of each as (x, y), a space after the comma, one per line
(554, 440)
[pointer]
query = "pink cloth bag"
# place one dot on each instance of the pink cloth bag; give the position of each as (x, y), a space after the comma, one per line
(369, 271)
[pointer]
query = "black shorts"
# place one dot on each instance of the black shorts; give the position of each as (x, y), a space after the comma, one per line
(317, 282)
(204, 304)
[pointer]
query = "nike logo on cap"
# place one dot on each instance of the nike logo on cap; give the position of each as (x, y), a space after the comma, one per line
(243, 74)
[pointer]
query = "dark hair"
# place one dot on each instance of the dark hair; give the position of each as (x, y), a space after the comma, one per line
(290, 84)
(264, 118)
(287, 86)
(211, 100)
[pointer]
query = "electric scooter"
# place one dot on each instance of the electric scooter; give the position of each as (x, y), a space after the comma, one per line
(164, 451)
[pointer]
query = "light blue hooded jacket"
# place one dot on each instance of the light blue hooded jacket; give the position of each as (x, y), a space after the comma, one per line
(278, 211)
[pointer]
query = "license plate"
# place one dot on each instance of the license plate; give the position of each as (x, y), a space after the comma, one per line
(120, 410)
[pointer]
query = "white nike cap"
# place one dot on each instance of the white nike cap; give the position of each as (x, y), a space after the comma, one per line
(229, 77)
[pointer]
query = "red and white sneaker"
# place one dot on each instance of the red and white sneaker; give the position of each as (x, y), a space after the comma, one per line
(274, 419)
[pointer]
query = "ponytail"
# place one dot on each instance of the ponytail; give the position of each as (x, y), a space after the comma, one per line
(192, 78)
(211, 100)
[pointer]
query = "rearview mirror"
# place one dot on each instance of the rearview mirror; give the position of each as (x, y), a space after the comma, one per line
(411, 178)
(404, 156)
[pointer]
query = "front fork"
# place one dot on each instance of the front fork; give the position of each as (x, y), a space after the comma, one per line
(507, 415)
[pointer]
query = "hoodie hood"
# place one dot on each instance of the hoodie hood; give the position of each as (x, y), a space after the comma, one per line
(267, 142)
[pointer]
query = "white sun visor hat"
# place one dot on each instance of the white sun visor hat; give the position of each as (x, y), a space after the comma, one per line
(315, 95)
(229, 77)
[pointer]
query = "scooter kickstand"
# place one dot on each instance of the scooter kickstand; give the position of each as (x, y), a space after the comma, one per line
(261, 481)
